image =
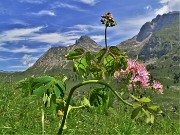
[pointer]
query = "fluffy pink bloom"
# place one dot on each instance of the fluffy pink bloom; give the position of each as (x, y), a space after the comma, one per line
(139, 73)
(130, 86)
(158, 87)
(116, 75)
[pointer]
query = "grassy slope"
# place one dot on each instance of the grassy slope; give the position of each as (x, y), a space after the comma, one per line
(23, 116)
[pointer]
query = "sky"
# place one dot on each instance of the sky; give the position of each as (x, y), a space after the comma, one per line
(28, 28)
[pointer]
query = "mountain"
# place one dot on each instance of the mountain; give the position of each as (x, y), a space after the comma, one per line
(54, 59)
(134, 46)
(158, 46)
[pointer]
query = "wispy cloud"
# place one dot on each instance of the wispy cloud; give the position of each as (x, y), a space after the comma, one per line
(28, 60)
(65, 5)
(87, 28)
(17, 34)
(98, 38)
(33, 1)
(131, 26)
(44, 13)
(167, 6)
(89, 2)
(35, 35)
(16, 68)
(24, 49)
(53, 38)
(148, 7)
(18, 21)
(7, 59)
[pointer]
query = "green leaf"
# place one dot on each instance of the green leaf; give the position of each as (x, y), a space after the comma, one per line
(114, 50)
(100, 55)
(40, 91)
(135, 98)
(136, 105)
(148, 114)
(64, 78)
(99, 97)
(80, 65)
(85, 102)
(59, 88)
(75, 54)
(135, 112)
(145, 99)
(61, 85)
(89, 57)
(42, 80)
(109, 63)
(57, 91)
(154, 107)
(150, 119)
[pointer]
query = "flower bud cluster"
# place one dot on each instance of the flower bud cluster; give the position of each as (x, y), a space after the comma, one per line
(108, 20)
(139, 76)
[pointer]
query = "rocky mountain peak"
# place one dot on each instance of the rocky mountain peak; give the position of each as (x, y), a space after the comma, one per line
(85, 39)
(157, 24)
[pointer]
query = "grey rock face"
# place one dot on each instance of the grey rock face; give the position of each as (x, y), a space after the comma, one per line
(156, 24)
(54, 58)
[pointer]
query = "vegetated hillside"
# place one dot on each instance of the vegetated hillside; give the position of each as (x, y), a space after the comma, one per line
(134, 45)
(158, 45)
(162, 54)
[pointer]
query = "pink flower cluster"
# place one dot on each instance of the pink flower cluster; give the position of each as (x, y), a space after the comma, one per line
(158, 87)
(139, 76)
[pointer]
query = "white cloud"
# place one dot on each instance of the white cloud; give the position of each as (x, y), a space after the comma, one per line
(17, 34)
(7, 59)
(85, 28)
(98, 38)
(65, 5)
(28, 60)
(131, 26)
(17, 21)
(148, 7)
(35, 35)
(32, 1)
(168, 6)
(89, 2)
(17, 68)
(24, 49)
(45, 12)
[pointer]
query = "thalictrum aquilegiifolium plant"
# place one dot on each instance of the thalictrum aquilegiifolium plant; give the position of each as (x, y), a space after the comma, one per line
(108, 65)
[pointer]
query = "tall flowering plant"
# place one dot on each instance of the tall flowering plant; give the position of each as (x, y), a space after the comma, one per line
(102, 68)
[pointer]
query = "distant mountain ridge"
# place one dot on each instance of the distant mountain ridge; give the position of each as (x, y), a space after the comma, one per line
(156, 24)
(157, 44)
(140, 45)
(54, 58)
(135, 46)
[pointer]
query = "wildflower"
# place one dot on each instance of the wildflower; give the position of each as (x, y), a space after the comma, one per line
(158, 87)
(108, 20)
(116, 74)
(130, 86)
(139, 73)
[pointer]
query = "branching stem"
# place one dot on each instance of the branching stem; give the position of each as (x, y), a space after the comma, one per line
(79, 85)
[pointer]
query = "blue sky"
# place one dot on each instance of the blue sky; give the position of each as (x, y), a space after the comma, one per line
(28, 28)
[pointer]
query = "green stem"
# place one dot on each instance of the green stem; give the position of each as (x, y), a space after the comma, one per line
(79, 85)
(42, 121)
(105, 33)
